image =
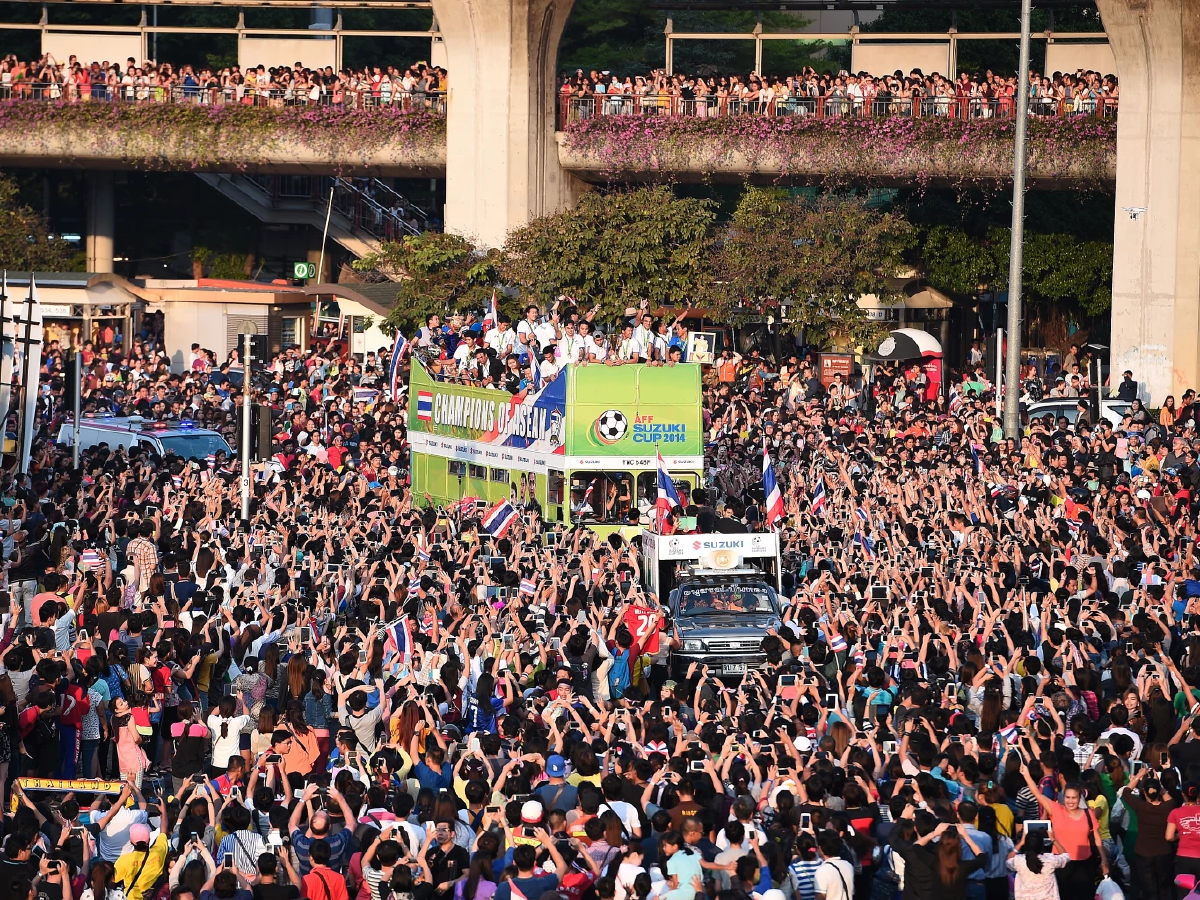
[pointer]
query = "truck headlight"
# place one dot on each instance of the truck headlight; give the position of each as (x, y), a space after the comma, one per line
(693, 646)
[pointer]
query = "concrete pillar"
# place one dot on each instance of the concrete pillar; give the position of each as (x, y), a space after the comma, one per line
(1156, 235)
(501, 159)
(101, 221)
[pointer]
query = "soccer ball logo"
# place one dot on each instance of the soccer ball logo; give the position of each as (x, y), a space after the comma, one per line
(611, 426)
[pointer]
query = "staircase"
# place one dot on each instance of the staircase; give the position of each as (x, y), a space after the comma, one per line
(366, 212)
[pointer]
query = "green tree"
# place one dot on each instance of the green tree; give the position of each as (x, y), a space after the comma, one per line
(25, 241)
(615, 249)
(1057, 267)
(816, 256)
(436, 273)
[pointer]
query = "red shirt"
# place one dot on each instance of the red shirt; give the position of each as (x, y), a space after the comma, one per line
(1186, 820)
(74, 715)
(322, 883)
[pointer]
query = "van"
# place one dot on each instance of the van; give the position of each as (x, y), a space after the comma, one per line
(183, 437)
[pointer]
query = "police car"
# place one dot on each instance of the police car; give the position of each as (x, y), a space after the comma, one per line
(181, 437)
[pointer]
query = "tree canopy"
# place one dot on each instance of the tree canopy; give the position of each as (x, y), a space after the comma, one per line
(25, 241)
(615, 250)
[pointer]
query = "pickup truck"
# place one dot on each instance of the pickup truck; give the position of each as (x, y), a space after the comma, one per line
(722, 616)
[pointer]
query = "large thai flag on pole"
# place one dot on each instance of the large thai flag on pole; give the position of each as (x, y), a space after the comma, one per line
(499, 518)
(394, 369)
(771, 490)
(668, 497)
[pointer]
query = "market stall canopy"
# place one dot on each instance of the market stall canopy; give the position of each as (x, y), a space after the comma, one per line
(916, 296)
(907, 343)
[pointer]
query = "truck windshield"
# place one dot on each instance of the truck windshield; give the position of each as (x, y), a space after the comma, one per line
(195, 445)
(697, 600)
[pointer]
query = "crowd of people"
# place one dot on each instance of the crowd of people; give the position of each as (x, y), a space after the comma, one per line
(973, 95)
(418, 86)
(983, 680)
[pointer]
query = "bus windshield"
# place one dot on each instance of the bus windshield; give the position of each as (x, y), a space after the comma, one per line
(697, 600)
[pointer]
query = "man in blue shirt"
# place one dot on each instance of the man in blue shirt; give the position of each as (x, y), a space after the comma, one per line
(967, 813)
(433, 771)
(318, 829)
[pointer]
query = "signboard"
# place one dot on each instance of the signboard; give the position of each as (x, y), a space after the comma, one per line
(634, 411)
(57, 311)
(836, 364)
(63, 785)
(693, 546)
(702, 347)
(304, 270)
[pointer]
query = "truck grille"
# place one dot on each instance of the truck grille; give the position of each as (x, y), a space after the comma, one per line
(732, 646)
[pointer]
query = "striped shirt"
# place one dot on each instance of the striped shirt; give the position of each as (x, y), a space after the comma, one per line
(246, 847)
(803, 873)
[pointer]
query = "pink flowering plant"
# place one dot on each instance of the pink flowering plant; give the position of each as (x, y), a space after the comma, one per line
(162, 136)
(1080, 149)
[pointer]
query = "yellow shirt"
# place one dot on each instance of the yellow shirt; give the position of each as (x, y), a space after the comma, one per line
(129, 864)
(1004, 819)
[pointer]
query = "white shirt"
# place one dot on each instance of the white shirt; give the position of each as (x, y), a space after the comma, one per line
(595, 350)
(463, 352)
(630, 348)
(225, 747)
(114, 836)
(502, 343)
(569, 349)
(835, 879)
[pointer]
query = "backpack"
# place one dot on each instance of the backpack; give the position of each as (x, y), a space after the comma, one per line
(886, 883)
(619, 676)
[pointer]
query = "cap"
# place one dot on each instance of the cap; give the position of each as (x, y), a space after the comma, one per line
(531, 810)
(669, 685)
(139, 834)
(556, 767)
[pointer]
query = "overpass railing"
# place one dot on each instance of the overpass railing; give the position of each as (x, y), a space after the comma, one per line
(54, 92)
(577, 109)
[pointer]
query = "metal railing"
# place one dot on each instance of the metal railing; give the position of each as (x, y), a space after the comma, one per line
(243, 95)
(577, 109)
(367, 206)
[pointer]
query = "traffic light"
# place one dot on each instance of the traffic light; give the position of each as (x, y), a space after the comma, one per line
(70, 382)
(260, 431)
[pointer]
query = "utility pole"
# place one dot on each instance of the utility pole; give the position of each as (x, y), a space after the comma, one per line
(1012, 368)
(77, 374)
(8, 348)
(246, 407)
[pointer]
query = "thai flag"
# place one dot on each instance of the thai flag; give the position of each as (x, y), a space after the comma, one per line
(867, 543)
(771, 490)
(537, 375)
(861, 512)
(399, 638)
(528, 587)
(394, 369)
(956, 400)
(211, 459)
(465, 505)
(1009, 734)
(414, 587)
(837, 643)
(425, 406)
(668, 497)
(423, 554)
(818, 499)
(90, 559)
(490, 316)
(499, 518)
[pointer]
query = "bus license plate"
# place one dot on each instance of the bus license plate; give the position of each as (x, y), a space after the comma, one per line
(733, 669)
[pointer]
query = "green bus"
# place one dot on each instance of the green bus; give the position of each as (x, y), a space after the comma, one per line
(583, 445)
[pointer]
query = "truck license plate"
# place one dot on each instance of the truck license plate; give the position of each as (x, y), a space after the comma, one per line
(733, 669)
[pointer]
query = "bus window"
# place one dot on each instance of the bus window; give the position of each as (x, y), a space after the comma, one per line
(554, 488)
(603, 498)
(648, 488)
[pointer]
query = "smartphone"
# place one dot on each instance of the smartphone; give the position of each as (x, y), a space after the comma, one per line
(890, 748)
(926, 571)
(805, 820)
(492, 810)
(787, 680)
(274, 758)
(306, 634)
(831, 701)
(879, 592)
(696, 765)
(897, 632)
(1129, 647)
(362, 657)
(1135, 766)
(352, 757)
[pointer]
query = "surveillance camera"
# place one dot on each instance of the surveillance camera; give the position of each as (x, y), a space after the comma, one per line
(1135, 212)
